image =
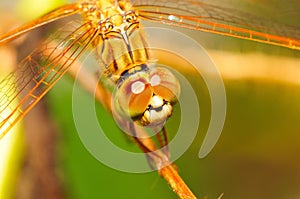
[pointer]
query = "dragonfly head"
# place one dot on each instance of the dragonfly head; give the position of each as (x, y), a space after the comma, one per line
(147, 95)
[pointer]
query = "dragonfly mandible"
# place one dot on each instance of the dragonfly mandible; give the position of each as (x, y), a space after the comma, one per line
(148, 98)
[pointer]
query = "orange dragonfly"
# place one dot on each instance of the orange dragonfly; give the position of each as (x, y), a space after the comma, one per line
(148, 101)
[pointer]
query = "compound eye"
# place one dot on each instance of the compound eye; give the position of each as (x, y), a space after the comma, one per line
(133, 97)
(137, 87)
(164, 84)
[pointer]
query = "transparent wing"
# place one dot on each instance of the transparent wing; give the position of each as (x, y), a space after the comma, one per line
(59, 13)
(37, 73)
(225, 21)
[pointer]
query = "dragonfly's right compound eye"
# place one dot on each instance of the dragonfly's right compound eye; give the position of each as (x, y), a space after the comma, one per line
(147, 96)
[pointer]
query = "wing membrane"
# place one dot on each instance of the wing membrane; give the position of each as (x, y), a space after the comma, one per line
(225, 21)
(59, 13)
(37, 73)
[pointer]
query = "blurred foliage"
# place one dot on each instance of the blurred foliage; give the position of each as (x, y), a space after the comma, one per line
(36, 8)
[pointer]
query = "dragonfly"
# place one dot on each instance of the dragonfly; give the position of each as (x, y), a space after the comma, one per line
(113, 28)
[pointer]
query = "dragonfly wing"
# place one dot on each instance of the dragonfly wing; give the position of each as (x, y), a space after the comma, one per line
(225, 21)
(38, 72)
(59, 13)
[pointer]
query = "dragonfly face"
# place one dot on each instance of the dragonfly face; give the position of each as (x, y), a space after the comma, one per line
(147, 94)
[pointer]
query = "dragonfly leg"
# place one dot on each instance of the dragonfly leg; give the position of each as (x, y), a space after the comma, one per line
(162, 138)
(156, 158)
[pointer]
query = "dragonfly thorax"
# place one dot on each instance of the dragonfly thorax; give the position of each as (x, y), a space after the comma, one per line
(146, 95)
(101, 13)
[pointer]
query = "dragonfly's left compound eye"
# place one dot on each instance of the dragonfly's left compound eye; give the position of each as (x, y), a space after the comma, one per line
(164, 84)
(147, 96)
